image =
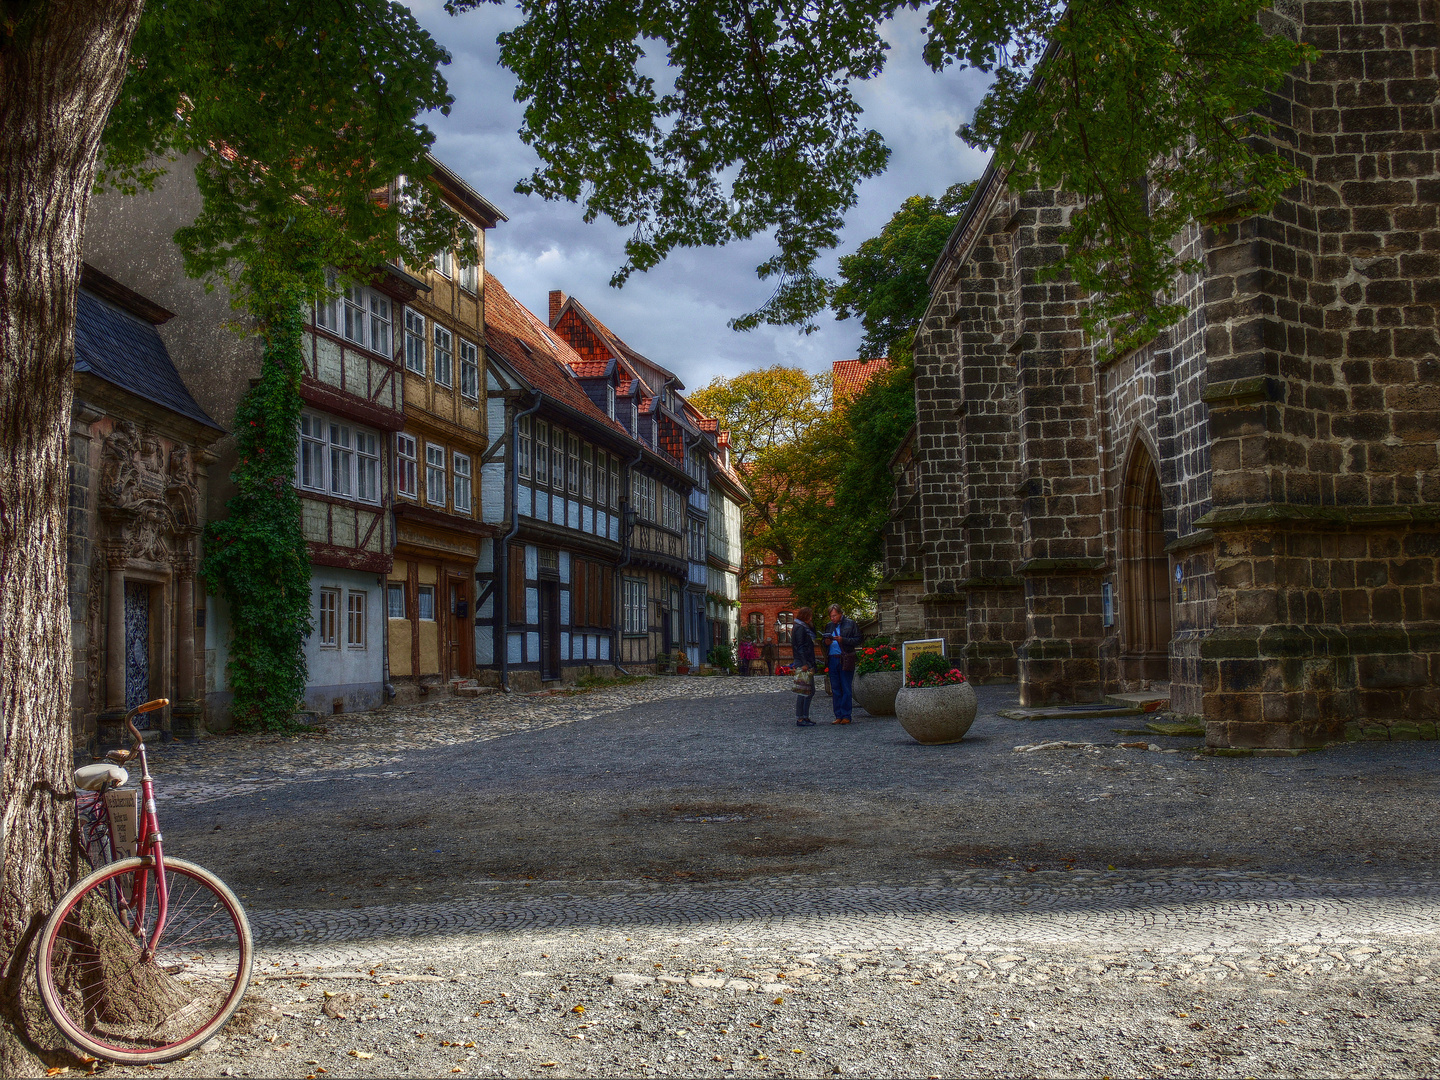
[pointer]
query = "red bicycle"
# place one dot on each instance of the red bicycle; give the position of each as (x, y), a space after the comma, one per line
(147, 957)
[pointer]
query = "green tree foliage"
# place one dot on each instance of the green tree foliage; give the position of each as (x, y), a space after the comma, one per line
(837, 538)
(769, 413)
(757, 131)
(301, 114)
(886, 282)
(298, 117)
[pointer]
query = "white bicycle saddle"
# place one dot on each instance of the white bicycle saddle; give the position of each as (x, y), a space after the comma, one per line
(94, 777)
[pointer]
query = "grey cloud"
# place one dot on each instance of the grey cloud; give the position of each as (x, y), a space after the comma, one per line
(678, 312)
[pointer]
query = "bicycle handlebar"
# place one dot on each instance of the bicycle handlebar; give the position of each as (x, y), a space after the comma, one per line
(149, 706)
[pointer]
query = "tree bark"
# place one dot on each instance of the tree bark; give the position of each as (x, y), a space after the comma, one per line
(61, 66)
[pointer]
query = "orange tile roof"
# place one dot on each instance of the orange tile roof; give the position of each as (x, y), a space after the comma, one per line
(589, 369)
(849, 377)
(540, 357)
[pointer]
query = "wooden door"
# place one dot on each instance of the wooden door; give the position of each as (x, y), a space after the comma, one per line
(458, 652)
(549, 629)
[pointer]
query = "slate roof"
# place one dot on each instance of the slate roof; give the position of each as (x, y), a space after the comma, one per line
(849, 377)
(126, 351)
(538, 355)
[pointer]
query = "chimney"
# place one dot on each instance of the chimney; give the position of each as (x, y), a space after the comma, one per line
(557, 301)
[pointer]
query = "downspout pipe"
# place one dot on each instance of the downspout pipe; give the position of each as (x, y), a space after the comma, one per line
(629, 548)
(502, 559)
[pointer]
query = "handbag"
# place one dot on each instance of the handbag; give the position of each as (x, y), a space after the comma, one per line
(804, 683)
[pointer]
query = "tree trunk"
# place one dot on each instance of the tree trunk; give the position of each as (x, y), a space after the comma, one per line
(61, 66)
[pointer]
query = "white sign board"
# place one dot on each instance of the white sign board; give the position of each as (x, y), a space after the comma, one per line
(124, 819)
(915, 648)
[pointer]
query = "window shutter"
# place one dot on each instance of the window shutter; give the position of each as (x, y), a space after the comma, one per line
(579, 614)
(517, 584)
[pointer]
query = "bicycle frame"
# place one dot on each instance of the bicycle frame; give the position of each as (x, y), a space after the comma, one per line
(149, 843)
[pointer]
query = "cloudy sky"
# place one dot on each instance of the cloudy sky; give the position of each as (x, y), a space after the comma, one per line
(677, 313)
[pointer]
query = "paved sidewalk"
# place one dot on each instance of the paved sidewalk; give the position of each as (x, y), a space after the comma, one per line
(671, 879)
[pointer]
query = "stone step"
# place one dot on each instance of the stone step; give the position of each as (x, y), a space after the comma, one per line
(474, 689)
(1145, 700)
(1096, 711)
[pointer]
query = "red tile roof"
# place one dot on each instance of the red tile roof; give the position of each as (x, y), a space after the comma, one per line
(613, 341)
(540, 357)
(849, 377)
(589, 369)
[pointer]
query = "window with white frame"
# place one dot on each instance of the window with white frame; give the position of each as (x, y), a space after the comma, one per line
(614, 483)
(462, 483)
(470, 270)
(697, 541)
(636, 606)
(610, 400)
(435, 475)
(587, 472)
(342, 460)
(313, 437)
(405, 480)
(367, 466)
(328, 623)
(355, 620)
(557, 459)
(359, 314)
(445, 262)
(542, 452)
(574, 465)
(523, 452)
(674, 509)
(469, 369)
(444, 356)
(337, 459)
(415, 341)
(327, 315)
(425, 603)
(395, 600)
(634, 419)
(642, 496)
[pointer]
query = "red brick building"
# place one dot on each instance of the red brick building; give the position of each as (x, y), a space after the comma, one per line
(767, 606)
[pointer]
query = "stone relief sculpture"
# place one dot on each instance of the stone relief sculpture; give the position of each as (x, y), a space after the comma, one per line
(149, 496)
(180, 494)
(119, 468)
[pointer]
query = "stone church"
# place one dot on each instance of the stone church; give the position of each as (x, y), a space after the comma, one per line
(1247, 508)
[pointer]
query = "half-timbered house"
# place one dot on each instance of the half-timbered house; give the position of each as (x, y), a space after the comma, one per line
(430, 591)
(662, 588)
(548, 585)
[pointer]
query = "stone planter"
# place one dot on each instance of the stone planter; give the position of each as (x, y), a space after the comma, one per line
(936, 714)
(875, 692)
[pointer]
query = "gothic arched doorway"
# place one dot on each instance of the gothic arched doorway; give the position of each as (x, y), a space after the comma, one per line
(1145, 624)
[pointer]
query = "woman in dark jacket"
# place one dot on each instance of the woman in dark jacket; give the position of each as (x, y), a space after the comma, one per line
(802, 651)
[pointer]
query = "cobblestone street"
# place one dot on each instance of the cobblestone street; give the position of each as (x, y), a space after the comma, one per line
(671, 878)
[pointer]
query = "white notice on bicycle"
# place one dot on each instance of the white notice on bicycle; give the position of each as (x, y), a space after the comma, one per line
(124, 818)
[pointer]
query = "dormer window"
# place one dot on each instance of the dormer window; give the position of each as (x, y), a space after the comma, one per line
(634, 419)
(610, 400)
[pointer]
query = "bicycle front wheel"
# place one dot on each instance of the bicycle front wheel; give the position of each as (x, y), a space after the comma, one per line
(112, 999)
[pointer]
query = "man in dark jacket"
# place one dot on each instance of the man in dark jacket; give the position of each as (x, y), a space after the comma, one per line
(839, 641)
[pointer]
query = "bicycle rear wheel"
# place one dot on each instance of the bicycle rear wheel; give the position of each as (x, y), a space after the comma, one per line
(113, 1001)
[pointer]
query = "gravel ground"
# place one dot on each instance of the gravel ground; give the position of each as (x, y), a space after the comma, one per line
(490, 887)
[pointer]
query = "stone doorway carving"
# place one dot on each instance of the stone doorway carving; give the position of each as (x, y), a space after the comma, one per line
(1145, 623)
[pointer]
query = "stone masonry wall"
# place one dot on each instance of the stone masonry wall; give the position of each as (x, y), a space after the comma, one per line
(1293, 416)
(1324, 389)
